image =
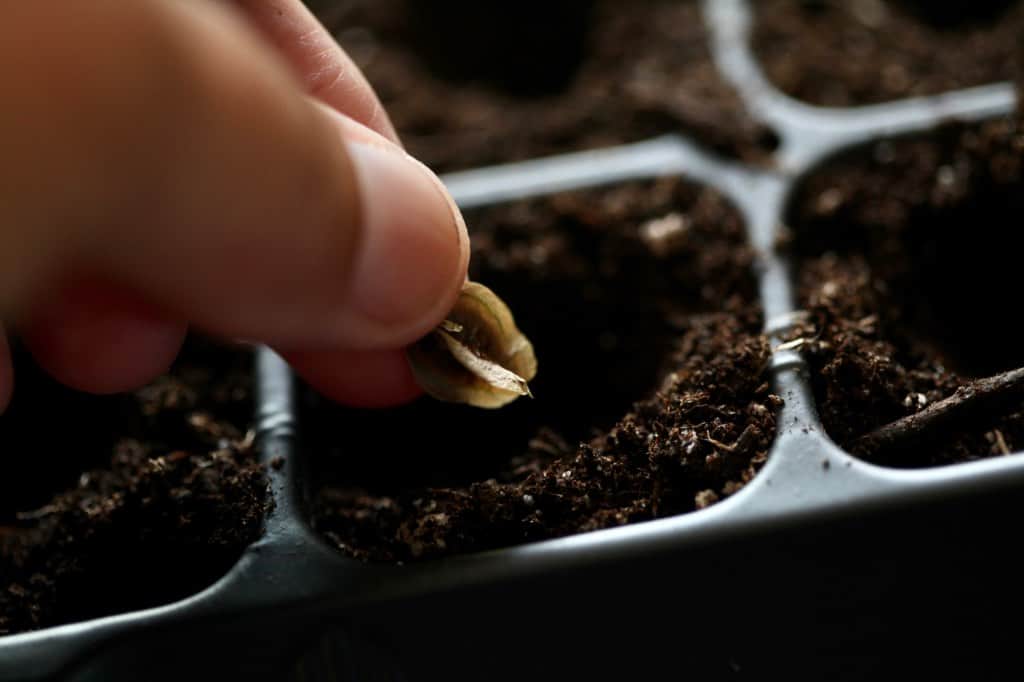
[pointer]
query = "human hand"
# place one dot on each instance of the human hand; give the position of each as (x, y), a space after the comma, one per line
(220, 164)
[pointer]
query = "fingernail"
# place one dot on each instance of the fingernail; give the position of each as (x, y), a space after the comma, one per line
(411, 261)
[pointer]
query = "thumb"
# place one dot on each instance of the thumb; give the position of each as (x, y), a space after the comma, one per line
(198, 174)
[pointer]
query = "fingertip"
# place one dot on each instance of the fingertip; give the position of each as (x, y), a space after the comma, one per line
(99, 339)
(411, 259)
(357, 378)
(111, 357)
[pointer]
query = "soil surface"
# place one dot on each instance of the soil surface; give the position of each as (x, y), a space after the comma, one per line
(909, 266)
(471, 84)
(129, 501)
(651, 398)
(843, 53)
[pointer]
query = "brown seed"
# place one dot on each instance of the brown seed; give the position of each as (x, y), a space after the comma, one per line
(477, 356)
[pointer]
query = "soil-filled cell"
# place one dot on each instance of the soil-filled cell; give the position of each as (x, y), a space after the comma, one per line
(472, 84)
(908, 258)
(651, 399)
(129, 501)
(839, 53)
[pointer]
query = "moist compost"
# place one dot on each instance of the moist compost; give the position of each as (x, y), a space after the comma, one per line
(839, 53)
(128, 501)
(909, 268)
(651, 398)
(472, 84)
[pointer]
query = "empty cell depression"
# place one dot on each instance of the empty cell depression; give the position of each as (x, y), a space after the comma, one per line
(118, 503)
(907, 255)
(652, 398)
(474, 84)
(839, 54)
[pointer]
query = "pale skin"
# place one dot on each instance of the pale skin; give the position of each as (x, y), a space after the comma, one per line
(214, 164)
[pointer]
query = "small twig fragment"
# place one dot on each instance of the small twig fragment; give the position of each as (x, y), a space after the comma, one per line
(37, 514)
(1004, 449)
(968, 400)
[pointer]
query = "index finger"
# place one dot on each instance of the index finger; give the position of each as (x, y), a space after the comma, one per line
(327, 72)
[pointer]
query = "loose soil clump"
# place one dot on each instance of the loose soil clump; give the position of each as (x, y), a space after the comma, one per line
(167, 494)
(652, 396)
(908, 266)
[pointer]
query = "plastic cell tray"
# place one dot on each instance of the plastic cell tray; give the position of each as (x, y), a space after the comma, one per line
(823, 566)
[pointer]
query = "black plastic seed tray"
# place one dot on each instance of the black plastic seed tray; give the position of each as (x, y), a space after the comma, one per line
(824, 565)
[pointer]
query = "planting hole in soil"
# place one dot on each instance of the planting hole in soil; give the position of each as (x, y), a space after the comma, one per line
(951, 14)
(623, 291)
(839, 53)
(152, 496)
(490, 40)
(909, 258)
(570, 75)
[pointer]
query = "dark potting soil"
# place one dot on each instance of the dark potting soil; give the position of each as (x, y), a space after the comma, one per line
(471, 84)
(843, 53)
(652, 397)
(910, 268)
(124, 502)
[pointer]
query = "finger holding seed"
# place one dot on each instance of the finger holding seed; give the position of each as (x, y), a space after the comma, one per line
(235, 175)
